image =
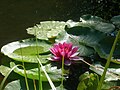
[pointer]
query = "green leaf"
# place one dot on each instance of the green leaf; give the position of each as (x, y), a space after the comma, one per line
(52, 71)
(89, 17)
(113, 72)
(27, 50)
(85, 35)
(96, 23)
(107, 85)
(4, 70)
(88, 81)
(104, 46)
(84, 49)
(116, 20)
(14, 85)
(47, 29)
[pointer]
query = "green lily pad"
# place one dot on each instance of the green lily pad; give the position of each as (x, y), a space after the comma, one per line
(116, 20)
(52, 71)
(47, 29)
(113, 72)
(84, 50)
(104, 46)
(4, 70)
(96, 23)
(14, 85)
(27, 50)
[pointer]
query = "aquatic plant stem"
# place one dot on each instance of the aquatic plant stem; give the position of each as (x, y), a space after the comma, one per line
(34, 85)
(108, 62)
(40, 79)
(39, 71)
(3, 81)
(26, 81)
(49, 80)
(62, 73)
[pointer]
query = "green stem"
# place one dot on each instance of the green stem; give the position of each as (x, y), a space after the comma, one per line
(39, 71)
(62, 73)
(108, 62)
(26, 81)
(49, 80)
(3, 81)
(34, 85)
(40, 79)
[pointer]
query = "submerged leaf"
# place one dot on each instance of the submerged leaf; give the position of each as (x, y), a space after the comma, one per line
(27, 50)
(47, 29)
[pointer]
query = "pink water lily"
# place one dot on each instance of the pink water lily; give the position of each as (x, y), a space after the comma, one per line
(65, 50)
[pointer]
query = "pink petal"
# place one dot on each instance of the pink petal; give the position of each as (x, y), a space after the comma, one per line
(60, 45)
(53, 51)
(75, 54)
(69, 54)
(56, 58)
(76, 58)
(70, 46)
(74, 50)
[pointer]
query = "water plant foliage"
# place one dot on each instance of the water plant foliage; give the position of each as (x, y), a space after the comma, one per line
(92, 35)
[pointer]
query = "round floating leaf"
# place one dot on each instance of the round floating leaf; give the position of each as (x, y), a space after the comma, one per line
(52, 71)
(113, 72)
(96, 23)
(4, 70)
(104, 46)
(47, 29)
(116, 21)
(27, 50)
(85, 35)
(14, 85)
(84, 49)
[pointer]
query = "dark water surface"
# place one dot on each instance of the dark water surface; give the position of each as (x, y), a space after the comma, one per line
(17, 15)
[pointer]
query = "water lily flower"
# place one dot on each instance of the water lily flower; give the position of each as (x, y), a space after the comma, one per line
(65, 50)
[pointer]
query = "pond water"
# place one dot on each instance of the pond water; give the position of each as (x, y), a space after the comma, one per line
(16, 16)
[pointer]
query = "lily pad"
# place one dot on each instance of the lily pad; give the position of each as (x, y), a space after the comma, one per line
(4, 70)
(104, 46)
(113, 72)
(52, 71)
(116, 21)
(47, 29)
(96, 23)
(27, 50)
(14, 85)
(84, 50)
